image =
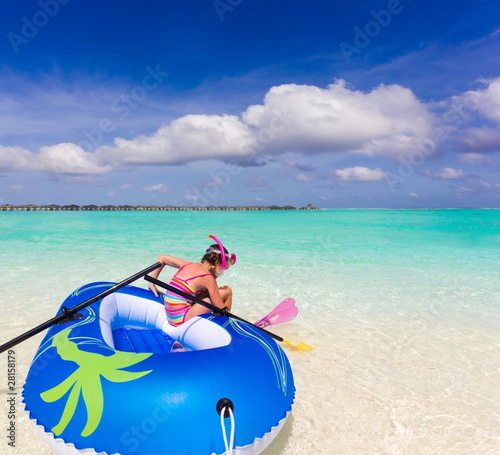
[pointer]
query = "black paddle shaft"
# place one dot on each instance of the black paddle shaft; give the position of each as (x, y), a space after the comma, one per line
(221, 311)
(67, 313)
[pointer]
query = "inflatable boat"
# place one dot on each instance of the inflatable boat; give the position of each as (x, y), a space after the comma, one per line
(121, 380)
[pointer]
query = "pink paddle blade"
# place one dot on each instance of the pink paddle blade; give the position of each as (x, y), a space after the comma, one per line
(286, 311)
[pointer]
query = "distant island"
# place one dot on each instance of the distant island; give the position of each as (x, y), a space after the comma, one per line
(145, 208)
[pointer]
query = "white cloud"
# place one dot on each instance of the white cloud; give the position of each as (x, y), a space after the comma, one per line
(69, 159)
(359, 174)
(389, 120)
(192, 194)
(413, 195)
(386, 121)
(450, 173)
(446, 173)
(15, 158)
(304, 178)
(483, 103)
(189, 138)
(58, 159)
(159, 188)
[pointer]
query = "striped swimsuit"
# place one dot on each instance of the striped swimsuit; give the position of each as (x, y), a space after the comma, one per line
(176, 306)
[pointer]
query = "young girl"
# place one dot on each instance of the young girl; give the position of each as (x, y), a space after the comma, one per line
(196, 279)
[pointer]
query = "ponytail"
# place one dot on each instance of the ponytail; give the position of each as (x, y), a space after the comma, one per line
(211, 256)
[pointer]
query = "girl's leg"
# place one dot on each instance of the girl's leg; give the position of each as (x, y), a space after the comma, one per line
(226, 294)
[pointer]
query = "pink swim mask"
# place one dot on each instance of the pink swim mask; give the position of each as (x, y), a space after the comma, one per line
(225, 257)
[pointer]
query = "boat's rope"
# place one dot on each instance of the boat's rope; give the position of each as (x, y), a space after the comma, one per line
(228, 446)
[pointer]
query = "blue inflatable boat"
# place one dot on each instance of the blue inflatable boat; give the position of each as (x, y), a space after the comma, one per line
(116, 381)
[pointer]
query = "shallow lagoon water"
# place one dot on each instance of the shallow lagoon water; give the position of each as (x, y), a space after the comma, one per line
(401, 306)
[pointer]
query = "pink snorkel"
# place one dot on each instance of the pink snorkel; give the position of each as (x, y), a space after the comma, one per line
(232, 257)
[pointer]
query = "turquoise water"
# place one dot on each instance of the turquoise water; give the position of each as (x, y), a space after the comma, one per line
(402, 306)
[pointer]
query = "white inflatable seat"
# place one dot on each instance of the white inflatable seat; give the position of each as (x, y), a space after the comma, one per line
(119, 313)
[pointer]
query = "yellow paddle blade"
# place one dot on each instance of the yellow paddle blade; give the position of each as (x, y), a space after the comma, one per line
(301, 346)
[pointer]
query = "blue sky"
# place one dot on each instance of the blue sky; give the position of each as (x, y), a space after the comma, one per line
(392, 103)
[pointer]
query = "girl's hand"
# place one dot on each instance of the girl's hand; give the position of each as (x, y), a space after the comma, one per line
(155, 291)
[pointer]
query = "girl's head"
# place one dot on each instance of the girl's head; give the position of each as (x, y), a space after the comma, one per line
(218, 258)
(212, 255)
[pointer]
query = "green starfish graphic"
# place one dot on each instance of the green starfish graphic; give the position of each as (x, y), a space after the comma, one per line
(87, 380)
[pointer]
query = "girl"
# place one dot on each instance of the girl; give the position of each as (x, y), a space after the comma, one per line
(197, 279)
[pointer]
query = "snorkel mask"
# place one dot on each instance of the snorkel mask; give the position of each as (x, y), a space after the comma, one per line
(225, 257)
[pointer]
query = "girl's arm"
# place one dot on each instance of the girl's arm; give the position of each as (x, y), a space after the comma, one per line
(165, 260)
(213, 291)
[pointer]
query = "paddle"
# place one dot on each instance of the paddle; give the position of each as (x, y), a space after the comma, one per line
(70, 314)
(223, 312)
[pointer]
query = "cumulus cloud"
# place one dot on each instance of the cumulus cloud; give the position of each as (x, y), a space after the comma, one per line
(301, 118)
(446, 173)
(483, 103)
(15, 158)
(189, 138)
(60, 158)
(389, 120)
(359, 174)
(69, 159)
